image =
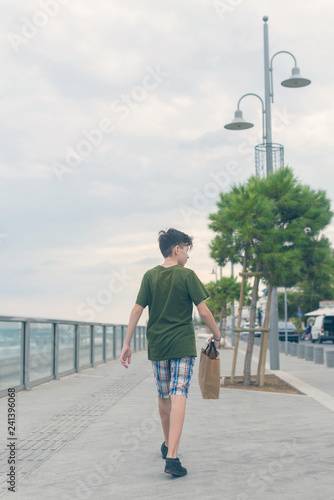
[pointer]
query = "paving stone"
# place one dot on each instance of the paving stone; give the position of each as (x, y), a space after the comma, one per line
(40, 445)
(245, 446)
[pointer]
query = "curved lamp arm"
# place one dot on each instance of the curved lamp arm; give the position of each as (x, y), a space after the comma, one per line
(263, 112)
(271, 70)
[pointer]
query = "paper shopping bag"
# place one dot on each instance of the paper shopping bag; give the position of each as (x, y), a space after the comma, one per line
(209, 372)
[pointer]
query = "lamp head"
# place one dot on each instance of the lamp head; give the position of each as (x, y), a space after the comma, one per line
(238, 123)
(296, 80)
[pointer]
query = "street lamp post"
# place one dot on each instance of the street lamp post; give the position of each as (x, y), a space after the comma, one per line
(232, 312)
(294, 81)
(267, 96)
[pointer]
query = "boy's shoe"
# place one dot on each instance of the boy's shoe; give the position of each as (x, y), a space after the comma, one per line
(164, 450)
(174, 467)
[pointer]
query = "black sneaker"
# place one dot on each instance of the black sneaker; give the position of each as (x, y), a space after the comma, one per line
(174, 467)
(164, 450)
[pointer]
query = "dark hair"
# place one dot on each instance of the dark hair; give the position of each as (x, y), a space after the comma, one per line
(169, 239)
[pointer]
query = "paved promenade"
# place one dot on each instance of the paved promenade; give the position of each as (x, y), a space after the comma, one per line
(97, 435)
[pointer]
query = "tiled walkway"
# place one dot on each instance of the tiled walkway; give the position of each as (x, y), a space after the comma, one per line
(97, 435)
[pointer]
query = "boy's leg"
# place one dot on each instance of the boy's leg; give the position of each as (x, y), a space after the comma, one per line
(181, 372)
(161, 371)
(176, 419)
(164, 410)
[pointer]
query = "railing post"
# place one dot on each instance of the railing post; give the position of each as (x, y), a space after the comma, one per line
(122, 336)
(104, 343)
(114, 342)
(22, 355)
(92, 345)
(77, 348)
(55, 350)
(139, 339)
(26, 357)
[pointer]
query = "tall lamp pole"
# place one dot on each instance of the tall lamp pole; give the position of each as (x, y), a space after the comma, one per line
(294, 81)
(269, 156)
(232, 312)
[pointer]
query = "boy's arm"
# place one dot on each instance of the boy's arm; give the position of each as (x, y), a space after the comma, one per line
(209, 320)
(133, 320)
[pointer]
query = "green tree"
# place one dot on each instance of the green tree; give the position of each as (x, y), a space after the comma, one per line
(274, 223)
(300, 215)
(211, 302)
(242, 223)
(222, 292)
(294, 245)
(318, 275)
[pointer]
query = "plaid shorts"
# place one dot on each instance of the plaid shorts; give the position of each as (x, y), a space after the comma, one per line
(172, 376)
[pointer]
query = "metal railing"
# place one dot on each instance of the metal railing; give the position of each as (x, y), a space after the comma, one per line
(36, 350)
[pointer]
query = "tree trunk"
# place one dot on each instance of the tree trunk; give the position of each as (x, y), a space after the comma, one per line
(225, 322)
(241, 303)
(221, 319)
(223, 313)
(264, 342)
(252, 318)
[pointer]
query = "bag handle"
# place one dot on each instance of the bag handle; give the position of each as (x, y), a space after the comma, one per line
(211, 346)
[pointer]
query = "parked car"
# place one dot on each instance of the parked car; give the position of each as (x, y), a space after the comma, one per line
(292, 331)
(323, 328)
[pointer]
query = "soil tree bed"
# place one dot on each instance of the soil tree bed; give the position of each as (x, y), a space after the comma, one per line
(272, 383)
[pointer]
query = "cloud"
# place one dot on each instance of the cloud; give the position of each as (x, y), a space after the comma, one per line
(149, 262)
(27, 270)
(100, 268)
(106, 213)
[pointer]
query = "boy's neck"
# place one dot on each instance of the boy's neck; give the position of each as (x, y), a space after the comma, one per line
(169, 262)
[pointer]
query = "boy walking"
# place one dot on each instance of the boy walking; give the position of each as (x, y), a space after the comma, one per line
(169, 290)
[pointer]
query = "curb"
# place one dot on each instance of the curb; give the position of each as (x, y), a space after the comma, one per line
(307, 389)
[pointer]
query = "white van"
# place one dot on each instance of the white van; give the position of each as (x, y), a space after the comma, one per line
(323, 328)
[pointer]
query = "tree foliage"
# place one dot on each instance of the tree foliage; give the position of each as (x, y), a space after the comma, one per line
(294, 242)
(275, 223)
(317, 281)
(222, 292)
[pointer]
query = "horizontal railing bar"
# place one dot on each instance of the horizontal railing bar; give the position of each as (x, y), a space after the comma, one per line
(65, 373)
(85, 367)
(40, 381)
(56, 356)
(251, 329)
(61, 321)
(4, 392)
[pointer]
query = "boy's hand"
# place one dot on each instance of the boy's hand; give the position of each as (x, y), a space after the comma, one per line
(125, 355)
(216, 342)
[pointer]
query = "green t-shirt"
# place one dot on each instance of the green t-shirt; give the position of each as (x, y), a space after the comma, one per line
(170, 292)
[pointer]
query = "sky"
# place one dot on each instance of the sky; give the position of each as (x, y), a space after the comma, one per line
(112, 128)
